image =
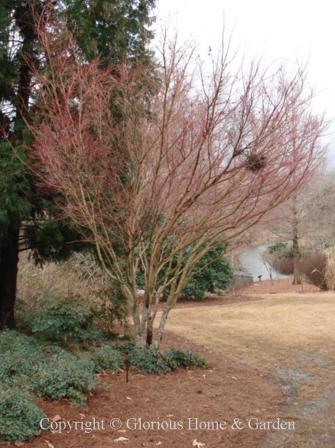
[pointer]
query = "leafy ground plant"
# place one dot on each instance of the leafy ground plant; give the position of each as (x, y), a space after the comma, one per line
(35, 366)
(19, 415)
(44, 368)
(65, 375)
(177, 359)
(107, 358)
(150, 360)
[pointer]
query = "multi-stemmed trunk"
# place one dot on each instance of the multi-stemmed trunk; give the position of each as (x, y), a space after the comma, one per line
(162, 323)
(144, 321)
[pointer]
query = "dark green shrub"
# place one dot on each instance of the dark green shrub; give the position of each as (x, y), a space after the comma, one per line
(19, 415)
(125, 347)
(62, 319)
(91, 334)
(65, 376)
(107, 358)
(212, 273)
(177, 359)
(148, 360)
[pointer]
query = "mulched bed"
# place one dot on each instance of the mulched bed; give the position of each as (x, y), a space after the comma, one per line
(226, 391)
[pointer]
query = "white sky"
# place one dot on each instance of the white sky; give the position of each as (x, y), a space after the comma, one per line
(288, 30)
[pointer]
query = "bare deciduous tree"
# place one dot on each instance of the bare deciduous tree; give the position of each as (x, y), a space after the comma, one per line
(306, 219)
(158, 181)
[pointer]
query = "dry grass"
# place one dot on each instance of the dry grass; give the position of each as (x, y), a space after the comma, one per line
(330, 269)
(278, 286)
(289, 336)
(313, 266)
(79, 275)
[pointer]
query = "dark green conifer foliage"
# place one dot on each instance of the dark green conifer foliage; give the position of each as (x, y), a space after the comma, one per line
(110, 29)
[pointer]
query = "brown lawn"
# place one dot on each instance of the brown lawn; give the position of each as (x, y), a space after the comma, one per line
(289, 336)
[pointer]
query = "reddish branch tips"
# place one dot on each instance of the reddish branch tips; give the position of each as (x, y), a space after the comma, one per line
(184, 161)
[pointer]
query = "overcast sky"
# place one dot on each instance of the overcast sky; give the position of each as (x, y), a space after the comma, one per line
(288, 30)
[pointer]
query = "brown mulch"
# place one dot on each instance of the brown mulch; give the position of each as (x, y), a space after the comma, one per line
(225, 391)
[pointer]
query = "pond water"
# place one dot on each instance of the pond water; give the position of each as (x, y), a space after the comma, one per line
(253, 262)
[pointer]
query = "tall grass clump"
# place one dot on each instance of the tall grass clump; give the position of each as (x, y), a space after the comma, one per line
(313, 267)
(330, 268)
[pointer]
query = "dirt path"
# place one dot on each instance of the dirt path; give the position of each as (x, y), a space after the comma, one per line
(291, 338)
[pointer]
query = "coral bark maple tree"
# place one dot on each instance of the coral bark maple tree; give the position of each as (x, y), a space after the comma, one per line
(157, 181)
